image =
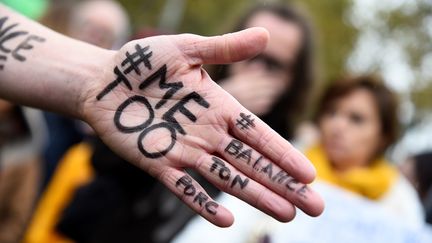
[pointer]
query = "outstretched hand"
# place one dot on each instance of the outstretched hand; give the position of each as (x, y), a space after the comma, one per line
(159, 109)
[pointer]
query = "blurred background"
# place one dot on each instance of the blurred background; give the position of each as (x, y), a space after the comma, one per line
(391, 38)
(59, 183)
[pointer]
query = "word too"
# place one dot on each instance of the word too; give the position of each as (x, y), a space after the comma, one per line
(169, 123)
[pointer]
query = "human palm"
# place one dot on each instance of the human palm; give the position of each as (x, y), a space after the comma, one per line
(158, 108)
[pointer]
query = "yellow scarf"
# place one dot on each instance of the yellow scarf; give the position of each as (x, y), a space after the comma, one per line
(371, 182)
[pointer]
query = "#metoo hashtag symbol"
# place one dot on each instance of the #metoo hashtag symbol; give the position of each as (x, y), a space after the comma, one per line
(134, 60)
(245, 121)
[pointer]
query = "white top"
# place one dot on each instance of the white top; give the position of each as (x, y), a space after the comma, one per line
(402, 201)
(347, 218)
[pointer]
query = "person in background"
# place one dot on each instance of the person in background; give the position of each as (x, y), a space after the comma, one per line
(19, 171)
(274, 85)
(71, 143)
(156, 214)
(357, 118)
(113, 206)
(103, 23)
(418, 170)
(153, 214)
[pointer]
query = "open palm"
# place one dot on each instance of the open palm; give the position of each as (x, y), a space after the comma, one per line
(158, 108)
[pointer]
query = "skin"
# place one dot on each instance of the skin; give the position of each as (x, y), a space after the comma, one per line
(256, 86)
(98, 22)
(66, 76)
(351, 130)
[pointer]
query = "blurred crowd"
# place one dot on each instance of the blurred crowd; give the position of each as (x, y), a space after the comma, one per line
(60, 183)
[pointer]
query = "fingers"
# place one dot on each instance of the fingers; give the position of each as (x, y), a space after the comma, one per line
(227, 178)
(259, 168)
(193, 195)
(225, 48)
(254, 132)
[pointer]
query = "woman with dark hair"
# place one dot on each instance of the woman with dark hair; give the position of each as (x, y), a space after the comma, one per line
(275, 84)
(357, 118)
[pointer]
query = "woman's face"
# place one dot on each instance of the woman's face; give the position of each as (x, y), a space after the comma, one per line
(351, 130)
(276, 61)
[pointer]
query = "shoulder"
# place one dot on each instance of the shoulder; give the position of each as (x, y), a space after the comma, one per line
(402, 200)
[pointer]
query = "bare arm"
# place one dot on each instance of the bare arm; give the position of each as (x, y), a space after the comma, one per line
(41, 68)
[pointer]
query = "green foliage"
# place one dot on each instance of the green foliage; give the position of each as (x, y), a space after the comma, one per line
(335, 37)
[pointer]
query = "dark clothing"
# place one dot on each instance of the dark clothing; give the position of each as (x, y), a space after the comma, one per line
(62, 134)
(428, 206)
(123, 204)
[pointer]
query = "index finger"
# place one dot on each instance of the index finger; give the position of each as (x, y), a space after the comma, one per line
(252, 130)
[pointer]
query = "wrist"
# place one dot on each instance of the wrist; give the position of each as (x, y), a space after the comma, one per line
(94, 71)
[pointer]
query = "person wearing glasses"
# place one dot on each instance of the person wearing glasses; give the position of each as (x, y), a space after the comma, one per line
(275, 84)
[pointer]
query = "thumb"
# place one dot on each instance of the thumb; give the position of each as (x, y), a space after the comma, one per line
(225, 48)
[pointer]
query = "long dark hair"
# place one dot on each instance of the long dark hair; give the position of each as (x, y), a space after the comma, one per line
(286, 112)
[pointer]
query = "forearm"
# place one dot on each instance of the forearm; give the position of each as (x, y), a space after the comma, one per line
(44, 69)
